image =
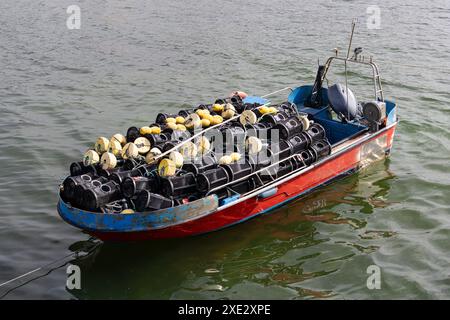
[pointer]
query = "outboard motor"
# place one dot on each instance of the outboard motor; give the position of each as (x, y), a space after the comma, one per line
(337, 95)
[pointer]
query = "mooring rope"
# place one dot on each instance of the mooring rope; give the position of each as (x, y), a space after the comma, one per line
(75, 254)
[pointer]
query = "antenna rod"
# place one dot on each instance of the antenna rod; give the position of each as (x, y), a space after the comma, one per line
(351, 37)
(345, 63)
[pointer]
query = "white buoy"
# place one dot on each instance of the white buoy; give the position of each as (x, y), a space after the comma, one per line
(253, 145)
(225, 160)
(101, 145)
(150, 157)
(115, 147)
(90, 157)
(204, 145)
(130, 151)
(177, 158)
(189, 150)
(248, 117)
(142, 144)
(120, 138)
(108, 161)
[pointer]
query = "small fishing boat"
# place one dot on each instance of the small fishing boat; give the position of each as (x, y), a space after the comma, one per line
(358, 133)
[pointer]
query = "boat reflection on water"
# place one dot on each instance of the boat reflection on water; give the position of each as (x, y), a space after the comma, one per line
(308, 238)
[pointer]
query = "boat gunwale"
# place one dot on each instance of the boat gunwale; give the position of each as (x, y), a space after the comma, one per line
(358, 140)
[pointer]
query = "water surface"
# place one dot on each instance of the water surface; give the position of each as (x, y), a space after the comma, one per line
(62, 88)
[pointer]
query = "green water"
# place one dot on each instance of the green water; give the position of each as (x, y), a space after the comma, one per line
(62, 88)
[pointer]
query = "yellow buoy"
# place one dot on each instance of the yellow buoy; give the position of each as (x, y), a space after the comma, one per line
(264, 109)
(115, 147)
(227, 114)
(172, 125)
(90, 157)
(225, 160)
(142, 144)
(127, 211)
(101, 145)
(205, 123)
(253, 145)
(120, 138)
(179, 120)
(216, 120)
(217, 107)
(171, 120)
(235, 156)
(151, 155)
(248, 117)
(177, 158)
(181, 127)
(108, 161)
(129, 151)
(155, 130)
(202, 113)
(145, 130)
(166, 168)
(272, 110)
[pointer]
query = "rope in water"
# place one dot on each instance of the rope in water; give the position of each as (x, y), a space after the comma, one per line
(73, 254)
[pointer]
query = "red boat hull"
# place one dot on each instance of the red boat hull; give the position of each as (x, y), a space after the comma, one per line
(349, 159)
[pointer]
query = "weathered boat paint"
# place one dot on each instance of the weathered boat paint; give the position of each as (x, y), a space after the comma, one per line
(135, 222)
